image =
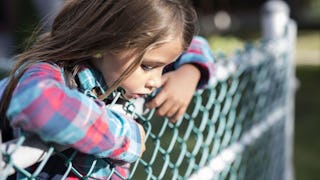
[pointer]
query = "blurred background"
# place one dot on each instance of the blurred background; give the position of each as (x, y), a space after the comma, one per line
(228, 25)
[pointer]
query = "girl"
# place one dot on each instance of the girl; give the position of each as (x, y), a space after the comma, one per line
(61, 87)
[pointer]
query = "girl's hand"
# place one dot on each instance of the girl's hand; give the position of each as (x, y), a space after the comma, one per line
(177, 91)
(143, 137)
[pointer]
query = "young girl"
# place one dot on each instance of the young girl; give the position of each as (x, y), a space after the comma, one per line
(61, 87)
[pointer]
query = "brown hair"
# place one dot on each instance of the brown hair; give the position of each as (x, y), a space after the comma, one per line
(82, 28)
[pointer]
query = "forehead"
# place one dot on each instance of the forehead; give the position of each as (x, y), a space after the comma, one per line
(166, 52)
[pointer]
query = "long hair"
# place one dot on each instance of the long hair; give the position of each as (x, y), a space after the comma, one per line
(83, 28)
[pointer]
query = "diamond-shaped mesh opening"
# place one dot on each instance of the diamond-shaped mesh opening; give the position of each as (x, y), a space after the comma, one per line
(233, 129)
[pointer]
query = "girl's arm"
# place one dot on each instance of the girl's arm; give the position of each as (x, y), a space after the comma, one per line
(200, 55)
(192, 70)
(43, 104)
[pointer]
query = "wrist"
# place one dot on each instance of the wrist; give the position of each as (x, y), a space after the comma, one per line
(191, 70)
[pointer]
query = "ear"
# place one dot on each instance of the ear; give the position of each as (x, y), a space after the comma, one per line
(97, 56)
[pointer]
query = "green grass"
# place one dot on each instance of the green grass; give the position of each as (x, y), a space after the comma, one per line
(307, 48)
(226, 44)
(307, 124)
(308, 40)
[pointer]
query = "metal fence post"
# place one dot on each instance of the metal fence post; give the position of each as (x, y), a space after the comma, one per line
(275, 17)
(276, 24)
(290, 99)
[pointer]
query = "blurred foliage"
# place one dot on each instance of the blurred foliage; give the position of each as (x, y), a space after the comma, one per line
(225, 44)
(313, 9)
(27, 21)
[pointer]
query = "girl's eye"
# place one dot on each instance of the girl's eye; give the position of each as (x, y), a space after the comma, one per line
(146, 67)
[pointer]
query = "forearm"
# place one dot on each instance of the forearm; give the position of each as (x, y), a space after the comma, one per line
(200, 55)
(191, 72)
(66, 116)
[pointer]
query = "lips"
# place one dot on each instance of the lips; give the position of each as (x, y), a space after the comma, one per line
(134, 96)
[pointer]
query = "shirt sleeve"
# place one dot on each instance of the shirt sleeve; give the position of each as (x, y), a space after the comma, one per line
(199, 54)
(43, 104)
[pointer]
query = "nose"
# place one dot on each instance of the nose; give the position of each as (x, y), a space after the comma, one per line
(154, 81)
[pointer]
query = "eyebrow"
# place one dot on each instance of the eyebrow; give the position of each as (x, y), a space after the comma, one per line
(155, 62)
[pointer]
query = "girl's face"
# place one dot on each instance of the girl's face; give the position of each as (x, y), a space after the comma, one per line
(147, 77)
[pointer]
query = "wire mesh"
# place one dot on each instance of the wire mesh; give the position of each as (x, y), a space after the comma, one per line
(233, 129)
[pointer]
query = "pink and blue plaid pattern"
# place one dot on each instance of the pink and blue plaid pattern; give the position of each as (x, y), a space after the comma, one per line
(42, 103)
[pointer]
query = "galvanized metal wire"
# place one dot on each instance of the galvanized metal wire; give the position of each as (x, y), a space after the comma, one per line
(233, 129)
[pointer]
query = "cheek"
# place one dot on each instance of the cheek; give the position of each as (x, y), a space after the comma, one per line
(132, 82)
(110, 77)
(112, 69)
(130, 85)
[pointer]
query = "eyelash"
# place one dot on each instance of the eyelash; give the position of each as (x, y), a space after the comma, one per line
(146, 67)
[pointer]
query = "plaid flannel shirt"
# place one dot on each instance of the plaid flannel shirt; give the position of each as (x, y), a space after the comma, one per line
(42, 103)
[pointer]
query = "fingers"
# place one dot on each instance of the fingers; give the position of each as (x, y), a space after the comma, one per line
(158, 100)
(168, 105)
(161, 97)
(172, 109)
(174, 113)
(178, 115)
(174, 96)
(165, 108)
(165, 78)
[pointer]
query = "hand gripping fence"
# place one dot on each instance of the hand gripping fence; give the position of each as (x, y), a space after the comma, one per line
(239, 127)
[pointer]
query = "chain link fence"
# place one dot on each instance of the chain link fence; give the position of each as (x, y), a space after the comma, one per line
(239, 127)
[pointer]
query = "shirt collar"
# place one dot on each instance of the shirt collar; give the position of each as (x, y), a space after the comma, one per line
(90, 79)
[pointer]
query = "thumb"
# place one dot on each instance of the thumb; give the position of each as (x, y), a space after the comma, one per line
(164, 78)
